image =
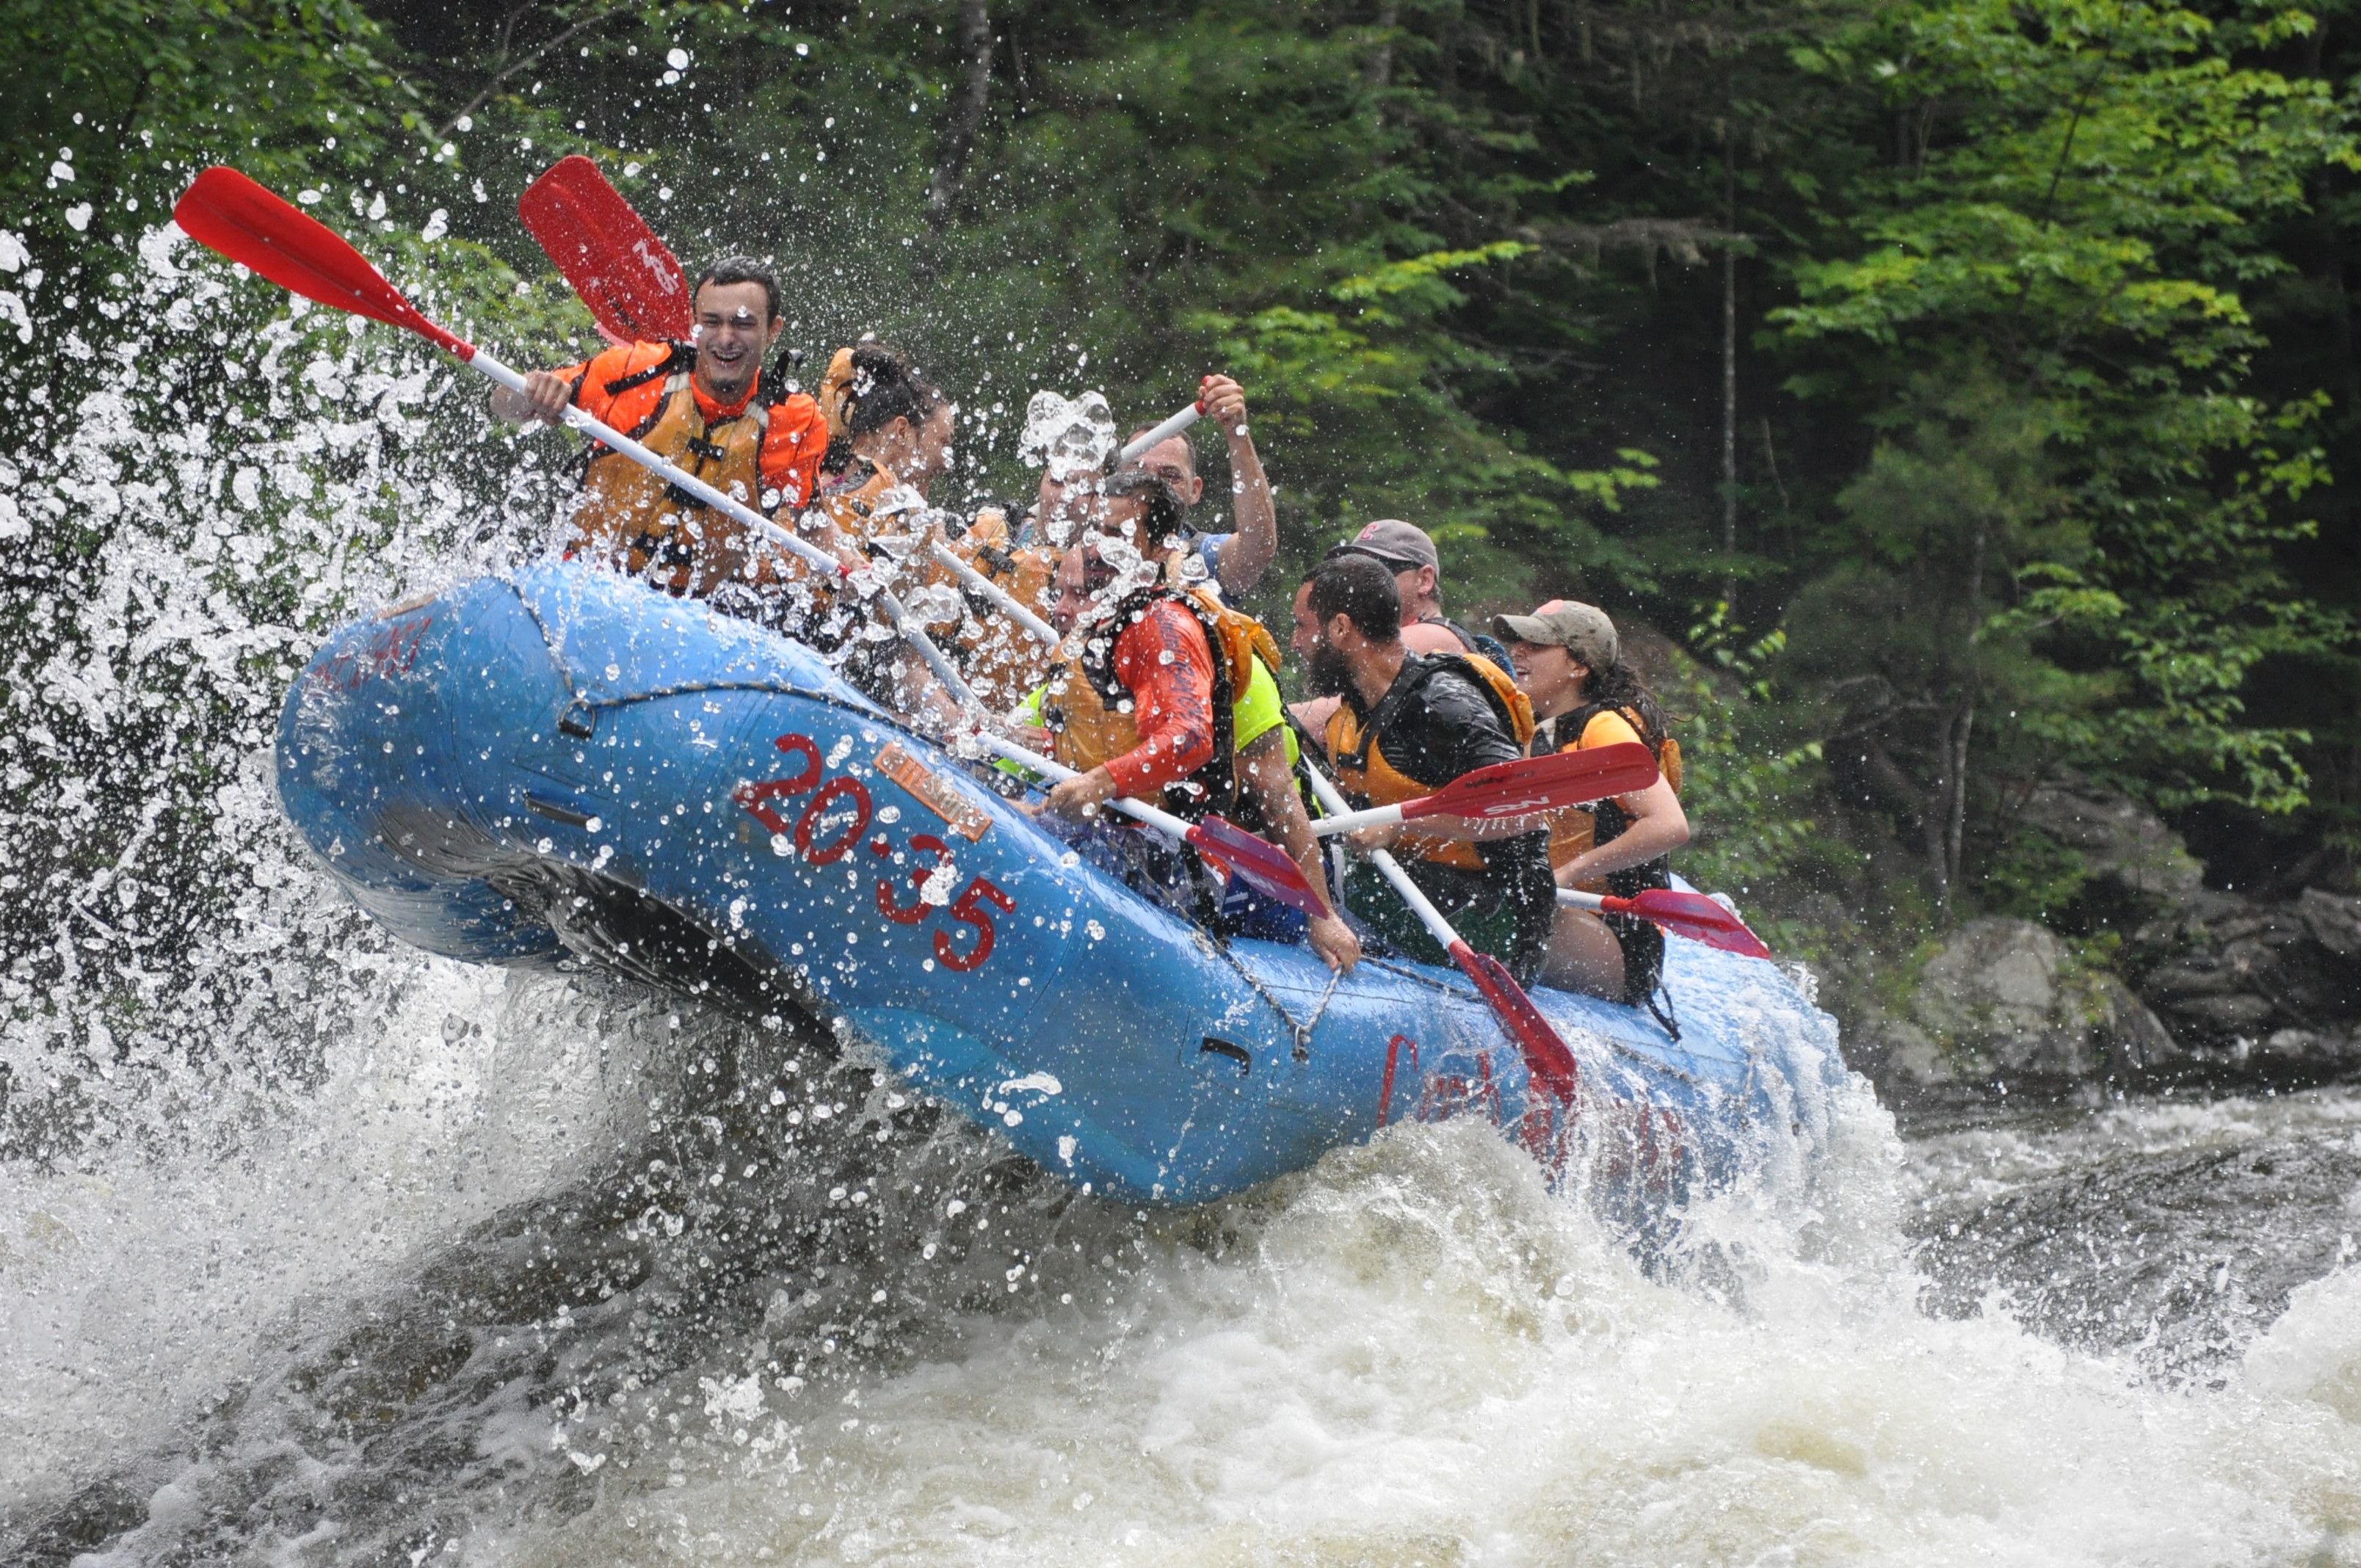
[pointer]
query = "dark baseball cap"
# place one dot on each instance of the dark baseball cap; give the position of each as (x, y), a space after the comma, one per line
(1582, 630)
(1403, 546)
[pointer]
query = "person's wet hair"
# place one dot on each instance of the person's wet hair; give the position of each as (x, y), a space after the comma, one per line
(1166, 516)
(885, 387)
(1186, 445)
(1619, 686)
(1359, 589)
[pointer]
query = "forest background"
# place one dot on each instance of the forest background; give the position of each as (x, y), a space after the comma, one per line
(1961, 392)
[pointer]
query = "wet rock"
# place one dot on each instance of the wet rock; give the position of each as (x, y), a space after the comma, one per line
(2116, 838)
(2006, 998)
(2334, 920)
(2237, 980)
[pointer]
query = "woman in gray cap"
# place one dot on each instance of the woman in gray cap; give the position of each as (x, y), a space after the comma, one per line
(1569, 662)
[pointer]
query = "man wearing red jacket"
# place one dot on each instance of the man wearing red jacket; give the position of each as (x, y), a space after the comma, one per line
(702, 406)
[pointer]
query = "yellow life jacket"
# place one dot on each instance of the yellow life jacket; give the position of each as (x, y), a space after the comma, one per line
(1574, 830)
(1089, 712)
(1368, 779)
(650, 528)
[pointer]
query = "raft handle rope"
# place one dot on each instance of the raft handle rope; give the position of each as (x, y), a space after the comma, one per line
(1300, 1030)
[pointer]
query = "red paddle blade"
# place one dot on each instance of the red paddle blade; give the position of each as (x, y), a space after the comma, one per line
(1534, 785)
(1263, 864)
(225, 210)
(1694, 915)
(624, 273)
(1548, 1060)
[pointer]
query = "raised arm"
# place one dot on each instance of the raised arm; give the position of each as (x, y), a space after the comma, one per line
(1251, 550)
(1658, 827)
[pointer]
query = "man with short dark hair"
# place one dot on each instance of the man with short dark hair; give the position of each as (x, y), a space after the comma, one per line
(1407, 724)
(701, 406)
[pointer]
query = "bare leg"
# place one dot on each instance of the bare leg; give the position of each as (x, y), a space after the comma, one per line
(1584, 955)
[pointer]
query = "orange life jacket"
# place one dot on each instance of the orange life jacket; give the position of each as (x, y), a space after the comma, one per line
(1002, 660)
(1368, 779)
(1089, 712)
(644, 525)
(1574, 830)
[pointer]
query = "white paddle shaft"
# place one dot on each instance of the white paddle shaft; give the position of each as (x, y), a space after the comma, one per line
(1163, 821)
(1151, 439)
(1002, 600)
(803, 549)
(1375, 817)
(1332, 800)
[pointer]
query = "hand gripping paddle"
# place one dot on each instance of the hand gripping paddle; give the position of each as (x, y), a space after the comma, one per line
(1525, 787)
(626, 276)
(1690, 915)
(225, 211)
(1263, 864)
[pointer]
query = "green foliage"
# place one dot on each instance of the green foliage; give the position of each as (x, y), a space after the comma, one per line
(2040, 339)
(2033, 877)
(1747, 795)
(133, 98)
(2074, 258)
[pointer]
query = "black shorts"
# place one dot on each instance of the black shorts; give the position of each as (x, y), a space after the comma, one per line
(1643, 955)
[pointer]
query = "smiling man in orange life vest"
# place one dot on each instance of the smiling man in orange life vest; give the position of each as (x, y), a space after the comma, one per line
(703, 406)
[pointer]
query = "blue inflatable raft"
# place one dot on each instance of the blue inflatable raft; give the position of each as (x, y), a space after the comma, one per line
(568, 762)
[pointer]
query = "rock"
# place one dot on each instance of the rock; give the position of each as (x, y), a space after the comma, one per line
(2116, 838)
(1895, 1050)
(2005, 997)
(2334, 921)
(2227, 972)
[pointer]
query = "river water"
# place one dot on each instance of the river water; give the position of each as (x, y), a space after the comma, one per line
(313, 1250)
(538, 1272)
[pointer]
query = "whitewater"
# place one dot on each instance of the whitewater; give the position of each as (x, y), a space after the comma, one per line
(315, 1250)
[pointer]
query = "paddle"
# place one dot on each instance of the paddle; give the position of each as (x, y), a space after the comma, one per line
(626, 276)
(1263, 864)
(1690, 915)
(225, 211)
(1549, 1061)
(1524, 787)
(1148, 440)
(1001, 597)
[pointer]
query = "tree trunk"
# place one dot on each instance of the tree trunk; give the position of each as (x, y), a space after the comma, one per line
(1379, 72)
(967, 112)
(1954, 831)
(1955, 762)
(1728, 371)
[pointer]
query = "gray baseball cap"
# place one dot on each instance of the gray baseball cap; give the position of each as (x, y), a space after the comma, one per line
(1403, 546)
(1582, 630)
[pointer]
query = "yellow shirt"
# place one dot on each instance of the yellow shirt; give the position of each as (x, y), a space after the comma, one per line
(1606, 727)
